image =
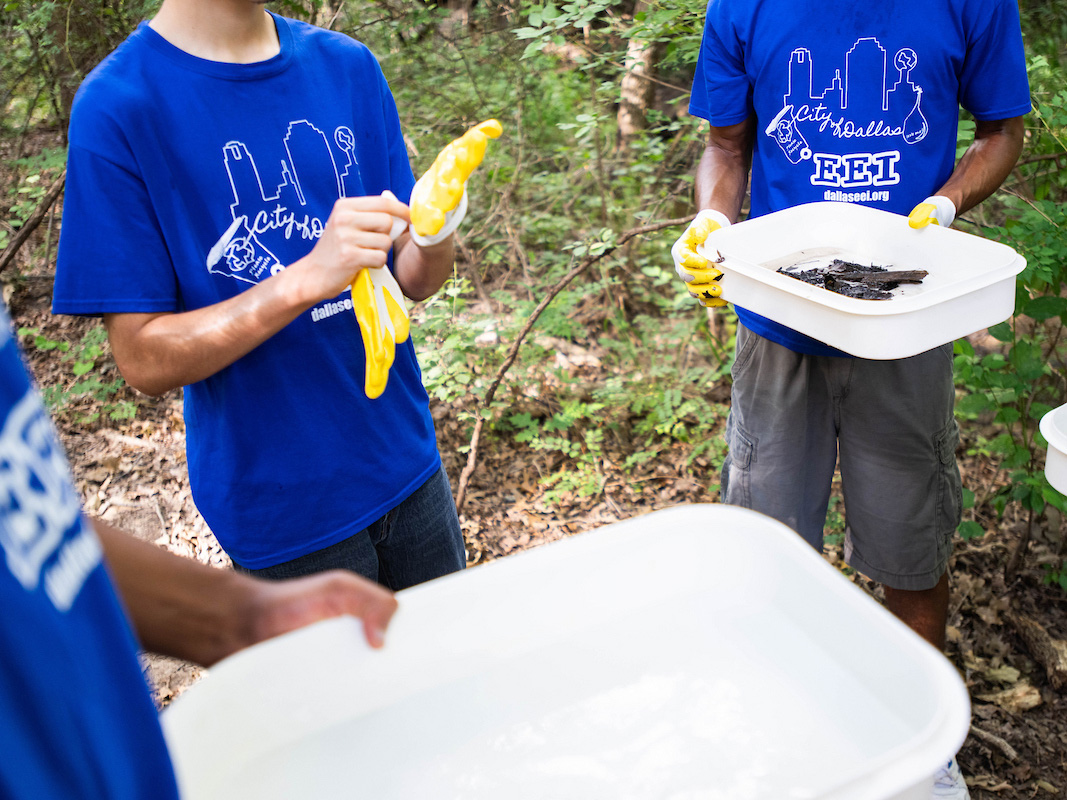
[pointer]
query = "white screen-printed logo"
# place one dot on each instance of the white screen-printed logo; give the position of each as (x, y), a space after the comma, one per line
(38, 507)
(294, 205)
(872, 99)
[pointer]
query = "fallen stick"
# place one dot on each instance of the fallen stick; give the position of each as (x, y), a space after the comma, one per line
(994, 740)
(1048, 652)
(30, 225)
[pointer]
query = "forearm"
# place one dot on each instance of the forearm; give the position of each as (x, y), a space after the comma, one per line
(178, 606)
(722, 174)
(159, 352)
(182, 608)
(985, 164)
(421, 271)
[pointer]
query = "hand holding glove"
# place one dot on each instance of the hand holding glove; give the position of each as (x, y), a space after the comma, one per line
(439, 199)
(438, 205)
(938, 210)
(382, 316)
(700, 275)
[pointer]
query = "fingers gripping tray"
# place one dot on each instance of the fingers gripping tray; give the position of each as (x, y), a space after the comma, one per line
(697, 652)
(970, 283)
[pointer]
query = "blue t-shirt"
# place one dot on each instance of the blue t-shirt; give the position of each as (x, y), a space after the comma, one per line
(855, 102)
(76, 718)
(189, 181)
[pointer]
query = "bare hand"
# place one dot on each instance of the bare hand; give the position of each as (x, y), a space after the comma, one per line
(283, 606)
(356, 237)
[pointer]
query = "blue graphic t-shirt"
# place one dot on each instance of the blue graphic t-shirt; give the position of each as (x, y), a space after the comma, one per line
(189, 181)
(76, 719)
(855, 102)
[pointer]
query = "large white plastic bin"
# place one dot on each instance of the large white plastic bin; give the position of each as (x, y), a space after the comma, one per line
(1054, 429)
(699, 652)
(970, 285)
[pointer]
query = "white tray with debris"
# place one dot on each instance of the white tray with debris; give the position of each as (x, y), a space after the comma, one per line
(970, 283)
(701, 651)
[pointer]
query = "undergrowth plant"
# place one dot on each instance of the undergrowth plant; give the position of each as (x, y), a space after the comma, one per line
(1010, 387)
(84, 392)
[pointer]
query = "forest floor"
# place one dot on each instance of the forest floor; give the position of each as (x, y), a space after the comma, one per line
(133, 473)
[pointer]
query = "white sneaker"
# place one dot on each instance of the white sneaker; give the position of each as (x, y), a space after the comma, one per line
(949, 783)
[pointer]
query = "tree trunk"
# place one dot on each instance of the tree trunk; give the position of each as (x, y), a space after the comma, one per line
(636, 89)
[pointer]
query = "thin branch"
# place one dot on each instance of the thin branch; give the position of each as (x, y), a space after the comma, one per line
(1043, 157)
(35, 219)
(994, 740)
(513, 352)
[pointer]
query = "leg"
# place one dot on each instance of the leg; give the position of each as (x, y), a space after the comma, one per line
(781, 436)
(421, 538)
(924, 611)
(902, 486)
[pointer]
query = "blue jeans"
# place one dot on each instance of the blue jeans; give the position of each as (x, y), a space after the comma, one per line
(417, 541)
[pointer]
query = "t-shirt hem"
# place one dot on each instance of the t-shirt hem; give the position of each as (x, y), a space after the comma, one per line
(1009, 113)
(262, 562)
(718, 120)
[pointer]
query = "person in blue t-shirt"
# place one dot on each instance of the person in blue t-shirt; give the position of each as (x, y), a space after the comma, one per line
(855, 102)
(230, 171)
(76, 717)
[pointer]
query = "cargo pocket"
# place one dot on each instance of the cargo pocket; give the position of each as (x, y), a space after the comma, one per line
(949, 487)
(745, 347)
(736, 467)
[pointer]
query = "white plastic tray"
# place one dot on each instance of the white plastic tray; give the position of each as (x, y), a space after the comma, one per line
(1054, 429)
(970, 285)
(698, 652)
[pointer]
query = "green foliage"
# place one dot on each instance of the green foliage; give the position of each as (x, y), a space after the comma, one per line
(32, 178)
(834, 528)
(85, 387)
(1015, 385)
(1056, 575)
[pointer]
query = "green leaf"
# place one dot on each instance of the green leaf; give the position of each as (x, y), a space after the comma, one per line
(1045, 307)
(1002, 332)
(973, 404)
(969, 529)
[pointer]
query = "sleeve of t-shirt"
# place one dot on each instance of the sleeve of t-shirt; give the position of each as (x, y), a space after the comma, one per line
(993, 82)
(112, 256)
(722, 91)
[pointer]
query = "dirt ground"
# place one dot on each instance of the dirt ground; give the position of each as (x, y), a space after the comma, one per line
(133, 474)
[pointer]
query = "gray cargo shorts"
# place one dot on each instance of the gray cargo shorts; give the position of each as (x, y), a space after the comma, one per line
(890, 423)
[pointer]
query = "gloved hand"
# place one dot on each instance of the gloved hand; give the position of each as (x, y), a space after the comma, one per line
(439, 199)
(382, 316)
(937, 209)
(700, 275)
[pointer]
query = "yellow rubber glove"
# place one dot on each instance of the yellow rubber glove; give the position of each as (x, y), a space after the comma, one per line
(439, 199)
(383, 319)
(938, 210)
(700, 275)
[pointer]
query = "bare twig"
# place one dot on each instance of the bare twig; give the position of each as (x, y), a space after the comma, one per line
(1049, 652)
(1015, 561)
(513, 352)
(994, 740)
(35, 219)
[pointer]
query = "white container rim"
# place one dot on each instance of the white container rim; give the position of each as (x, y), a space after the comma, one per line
(1006, 261)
